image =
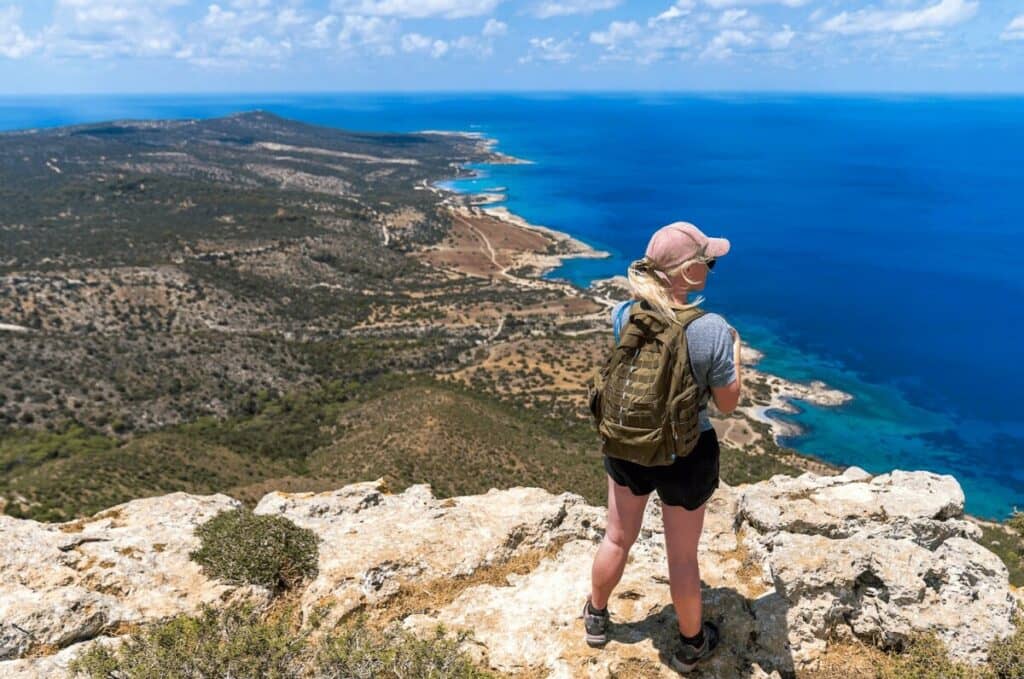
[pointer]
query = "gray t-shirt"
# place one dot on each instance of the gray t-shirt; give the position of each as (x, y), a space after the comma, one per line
(709, 343)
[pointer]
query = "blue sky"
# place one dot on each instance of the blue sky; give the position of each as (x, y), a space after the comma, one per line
(64, 46)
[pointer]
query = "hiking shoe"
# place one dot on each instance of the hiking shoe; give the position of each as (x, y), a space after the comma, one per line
(686, 658)
(596, 626)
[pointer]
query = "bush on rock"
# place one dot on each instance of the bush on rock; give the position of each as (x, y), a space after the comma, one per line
(245, 548)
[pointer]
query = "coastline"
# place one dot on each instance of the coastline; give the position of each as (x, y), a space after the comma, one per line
(782, 391)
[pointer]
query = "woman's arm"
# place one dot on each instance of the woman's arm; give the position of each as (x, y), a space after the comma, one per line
(728, 397)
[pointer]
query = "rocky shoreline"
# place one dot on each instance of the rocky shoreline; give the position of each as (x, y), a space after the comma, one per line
(601, 291)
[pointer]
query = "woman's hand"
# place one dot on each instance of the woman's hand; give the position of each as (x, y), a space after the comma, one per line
(735, 335)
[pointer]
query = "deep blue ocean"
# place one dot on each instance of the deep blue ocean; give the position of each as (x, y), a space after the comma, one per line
(877, 242)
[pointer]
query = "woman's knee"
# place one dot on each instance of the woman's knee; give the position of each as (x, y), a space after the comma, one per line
(620, 539)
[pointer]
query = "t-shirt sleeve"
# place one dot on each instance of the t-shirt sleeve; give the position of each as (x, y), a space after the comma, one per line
(723, 367)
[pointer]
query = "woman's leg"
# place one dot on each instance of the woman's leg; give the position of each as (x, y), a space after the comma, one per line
(625, 515)
(682, 533)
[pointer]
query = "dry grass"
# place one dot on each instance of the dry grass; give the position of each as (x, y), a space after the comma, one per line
(78, 525)
(636, 668)
(847, 660)
(433, 595)
(750, 573)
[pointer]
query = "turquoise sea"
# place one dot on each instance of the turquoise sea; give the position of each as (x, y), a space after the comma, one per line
(877, 240)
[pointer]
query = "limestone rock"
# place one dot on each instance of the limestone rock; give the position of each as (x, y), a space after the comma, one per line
(372, 543)
(785, 565)
(918, 505)
(67, 582)
(877, 560)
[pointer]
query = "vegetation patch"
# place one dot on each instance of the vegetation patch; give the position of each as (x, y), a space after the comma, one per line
(737, 466)
(362, 653)
(240, 642)
(245, 548)
(434, 594)
(922, 656)
(1007, 545)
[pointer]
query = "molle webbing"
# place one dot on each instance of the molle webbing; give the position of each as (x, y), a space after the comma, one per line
(644, 398)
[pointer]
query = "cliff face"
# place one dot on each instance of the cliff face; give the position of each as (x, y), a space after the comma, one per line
(786, 565)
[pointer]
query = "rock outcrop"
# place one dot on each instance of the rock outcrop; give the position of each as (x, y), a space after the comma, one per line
(787, 564)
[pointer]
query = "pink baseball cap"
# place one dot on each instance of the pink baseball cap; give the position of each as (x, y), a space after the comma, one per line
(675, 243)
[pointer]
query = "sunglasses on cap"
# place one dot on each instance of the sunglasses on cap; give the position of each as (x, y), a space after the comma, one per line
(710, 263)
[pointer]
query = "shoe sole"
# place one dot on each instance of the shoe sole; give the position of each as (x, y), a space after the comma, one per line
(681, 667)
(593, 640)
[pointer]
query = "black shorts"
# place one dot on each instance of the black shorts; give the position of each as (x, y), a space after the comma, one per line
(688, 482)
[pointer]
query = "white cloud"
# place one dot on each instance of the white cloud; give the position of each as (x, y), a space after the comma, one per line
(942, 15)
(665, 34)
(617, 32)
(257, 47)
(371, 33)
(288, 19)
(781, 39)
(548, 49)
(738, 18)
(471, 44)
(227, 22)
(102, 29)
(680, 9)
(438, 49)
(413, 42)
(250, 4)
(416, 42)
(14, 43)
(722, 4)
(721, 45)
(554, 8)
(493, 27)
(320, 34)
(239, 33)
(1014, 30)
(417, 9)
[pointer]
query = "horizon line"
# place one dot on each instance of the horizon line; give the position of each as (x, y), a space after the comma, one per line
(799, 92)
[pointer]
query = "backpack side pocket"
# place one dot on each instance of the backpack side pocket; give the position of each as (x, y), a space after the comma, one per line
(594, 388)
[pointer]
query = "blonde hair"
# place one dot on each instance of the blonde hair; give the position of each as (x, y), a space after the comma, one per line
(645, 284)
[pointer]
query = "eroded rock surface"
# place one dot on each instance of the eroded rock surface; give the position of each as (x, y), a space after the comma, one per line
(62, 583)
(786, 564)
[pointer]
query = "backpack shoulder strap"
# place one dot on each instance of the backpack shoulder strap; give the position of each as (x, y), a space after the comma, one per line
(620, 316)
(687, 316)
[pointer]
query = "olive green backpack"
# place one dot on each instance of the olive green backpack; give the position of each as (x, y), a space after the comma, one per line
(645, 401)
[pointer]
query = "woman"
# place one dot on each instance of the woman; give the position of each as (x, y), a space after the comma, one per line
(679, 257)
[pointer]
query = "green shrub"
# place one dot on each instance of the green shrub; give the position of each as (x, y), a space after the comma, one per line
(1006, 656)
(232, 642)
(1008, 546)
(1016, 522)
(925, 657)
(359, 653)
(245, 548)
(236, 642)
(738, 466)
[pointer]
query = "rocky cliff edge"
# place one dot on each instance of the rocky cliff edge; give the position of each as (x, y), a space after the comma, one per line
(788, 566)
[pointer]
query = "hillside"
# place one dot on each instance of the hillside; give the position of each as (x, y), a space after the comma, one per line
(199, 305)
(406, 429)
